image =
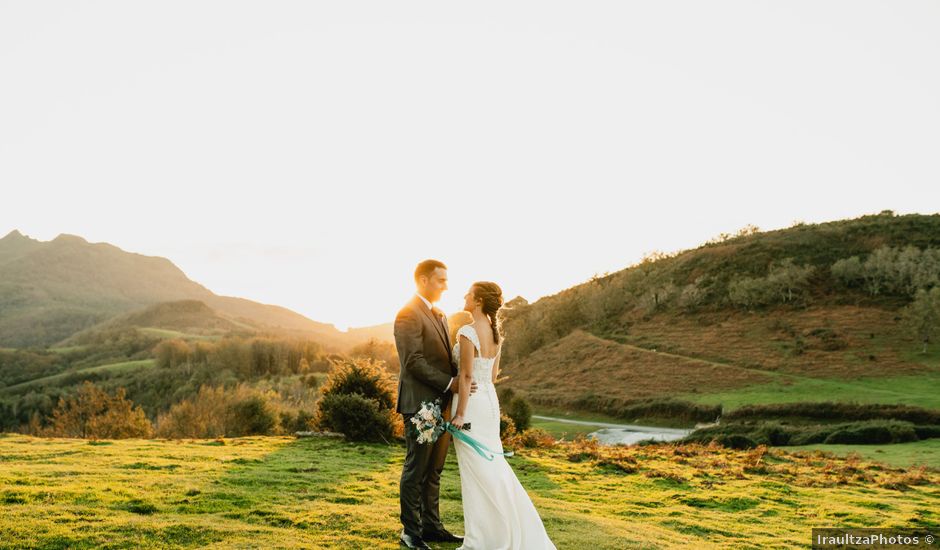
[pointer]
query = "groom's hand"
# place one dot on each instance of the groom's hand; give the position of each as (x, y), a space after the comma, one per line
(455, 387)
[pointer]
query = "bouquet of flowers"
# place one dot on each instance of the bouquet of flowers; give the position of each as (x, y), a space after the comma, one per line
(430, 424)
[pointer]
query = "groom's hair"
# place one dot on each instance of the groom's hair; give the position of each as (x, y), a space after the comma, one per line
(427, 267)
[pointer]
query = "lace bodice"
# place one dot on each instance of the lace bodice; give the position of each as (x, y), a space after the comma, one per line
(482, 366)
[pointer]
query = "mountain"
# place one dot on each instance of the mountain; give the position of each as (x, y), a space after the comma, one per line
(52, 290)
(810, 312)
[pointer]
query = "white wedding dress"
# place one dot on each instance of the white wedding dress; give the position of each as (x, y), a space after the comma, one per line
(498, 513)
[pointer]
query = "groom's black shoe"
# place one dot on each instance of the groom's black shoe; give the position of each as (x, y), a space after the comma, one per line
(409, 541)
(442, 536)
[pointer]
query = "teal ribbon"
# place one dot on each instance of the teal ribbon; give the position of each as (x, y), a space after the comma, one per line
(480, 448)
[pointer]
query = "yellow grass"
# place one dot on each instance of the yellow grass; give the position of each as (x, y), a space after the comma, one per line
(281, 492)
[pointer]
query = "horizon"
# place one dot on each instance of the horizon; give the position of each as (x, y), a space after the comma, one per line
(458, 298)
(309, 155)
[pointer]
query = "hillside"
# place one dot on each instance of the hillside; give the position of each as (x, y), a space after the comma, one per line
(323, 493)
(181, 317)
(736, 315)
(52, 290)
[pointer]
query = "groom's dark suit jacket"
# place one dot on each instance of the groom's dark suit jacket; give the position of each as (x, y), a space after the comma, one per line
(424, 352)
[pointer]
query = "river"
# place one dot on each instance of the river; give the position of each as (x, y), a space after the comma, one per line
(625, 434)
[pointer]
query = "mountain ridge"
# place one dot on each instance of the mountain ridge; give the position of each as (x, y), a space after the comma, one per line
(50, 290)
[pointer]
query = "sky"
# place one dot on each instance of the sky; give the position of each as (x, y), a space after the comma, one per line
(309, 154)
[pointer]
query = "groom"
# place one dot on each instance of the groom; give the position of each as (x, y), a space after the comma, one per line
(427, 373)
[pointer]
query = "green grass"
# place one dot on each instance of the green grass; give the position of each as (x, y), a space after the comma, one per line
(168, 333)
(66, 349)
(926, 452)
(920, 390)
(123, 366)
(267, 492)
(163, 333)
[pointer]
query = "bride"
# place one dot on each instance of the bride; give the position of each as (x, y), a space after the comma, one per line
(498, 513)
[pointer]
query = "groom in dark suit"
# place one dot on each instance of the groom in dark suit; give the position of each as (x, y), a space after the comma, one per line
(427, 373)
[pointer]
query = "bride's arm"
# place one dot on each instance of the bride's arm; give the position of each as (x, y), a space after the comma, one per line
(465, 379)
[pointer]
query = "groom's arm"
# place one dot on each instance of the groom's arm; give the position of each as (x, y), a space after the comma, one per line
(410, 345)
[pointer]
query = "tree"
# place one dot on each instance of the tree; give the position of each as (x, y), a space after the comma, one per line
(923, 315)
(93, 413)
(378, 351)
(848, 271)
(172, 353)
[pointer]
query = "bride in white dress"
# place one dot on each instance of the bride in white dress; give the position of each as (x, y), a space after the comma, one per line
(498, 513)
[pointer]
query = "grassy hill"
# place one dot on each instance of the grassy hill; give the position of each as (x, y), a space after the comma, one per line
(750, 318)
(322, 493)
(181, 318)
(51, 290)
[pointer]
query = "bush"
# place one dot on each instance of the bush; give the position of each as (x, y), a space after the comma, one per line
(506, 428)
(835, 410)
(251, 416)
(634, 409)
(364, 377)
(772, 433)
(311, 381)
(358, 401)
(927, 432)
(219, 411)
(358, 418)
(532, 438)
(93, 413)
(873, 433)
(506, 395)
(735, 441)
(520, 412)
(290, 423)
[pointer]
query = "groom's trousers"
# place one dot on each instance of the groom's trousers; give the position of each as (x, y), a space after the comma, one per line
(420, 484)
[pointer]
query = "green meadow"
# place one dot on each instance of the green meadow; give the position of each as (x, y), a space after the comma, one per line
(110, 368)
(919, 390)
(925, 452)
(285, 492)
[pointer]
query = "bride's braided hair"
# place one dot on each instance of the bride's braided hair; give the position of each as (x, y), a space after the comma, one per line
(492, 297)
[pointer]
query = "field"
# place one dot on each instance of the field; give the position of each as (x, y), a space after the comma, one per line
(919, 389)
(111, 368)
(926, 452)
(736, 358)
(282, 492)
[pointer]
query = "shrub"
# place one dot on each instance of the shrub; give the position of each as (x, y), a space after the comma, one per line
(830, 410)
(302, 422)
(364, 377)
(532, 438)
(93, 413)
(311, 381)
(250, 416)
(873, 433)
(506, 428)
(772, 433)
(634, 409)
(927, 432)
(358, 401)
(520, 412)
(358, 418)
(735, 441)
(506, 395)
